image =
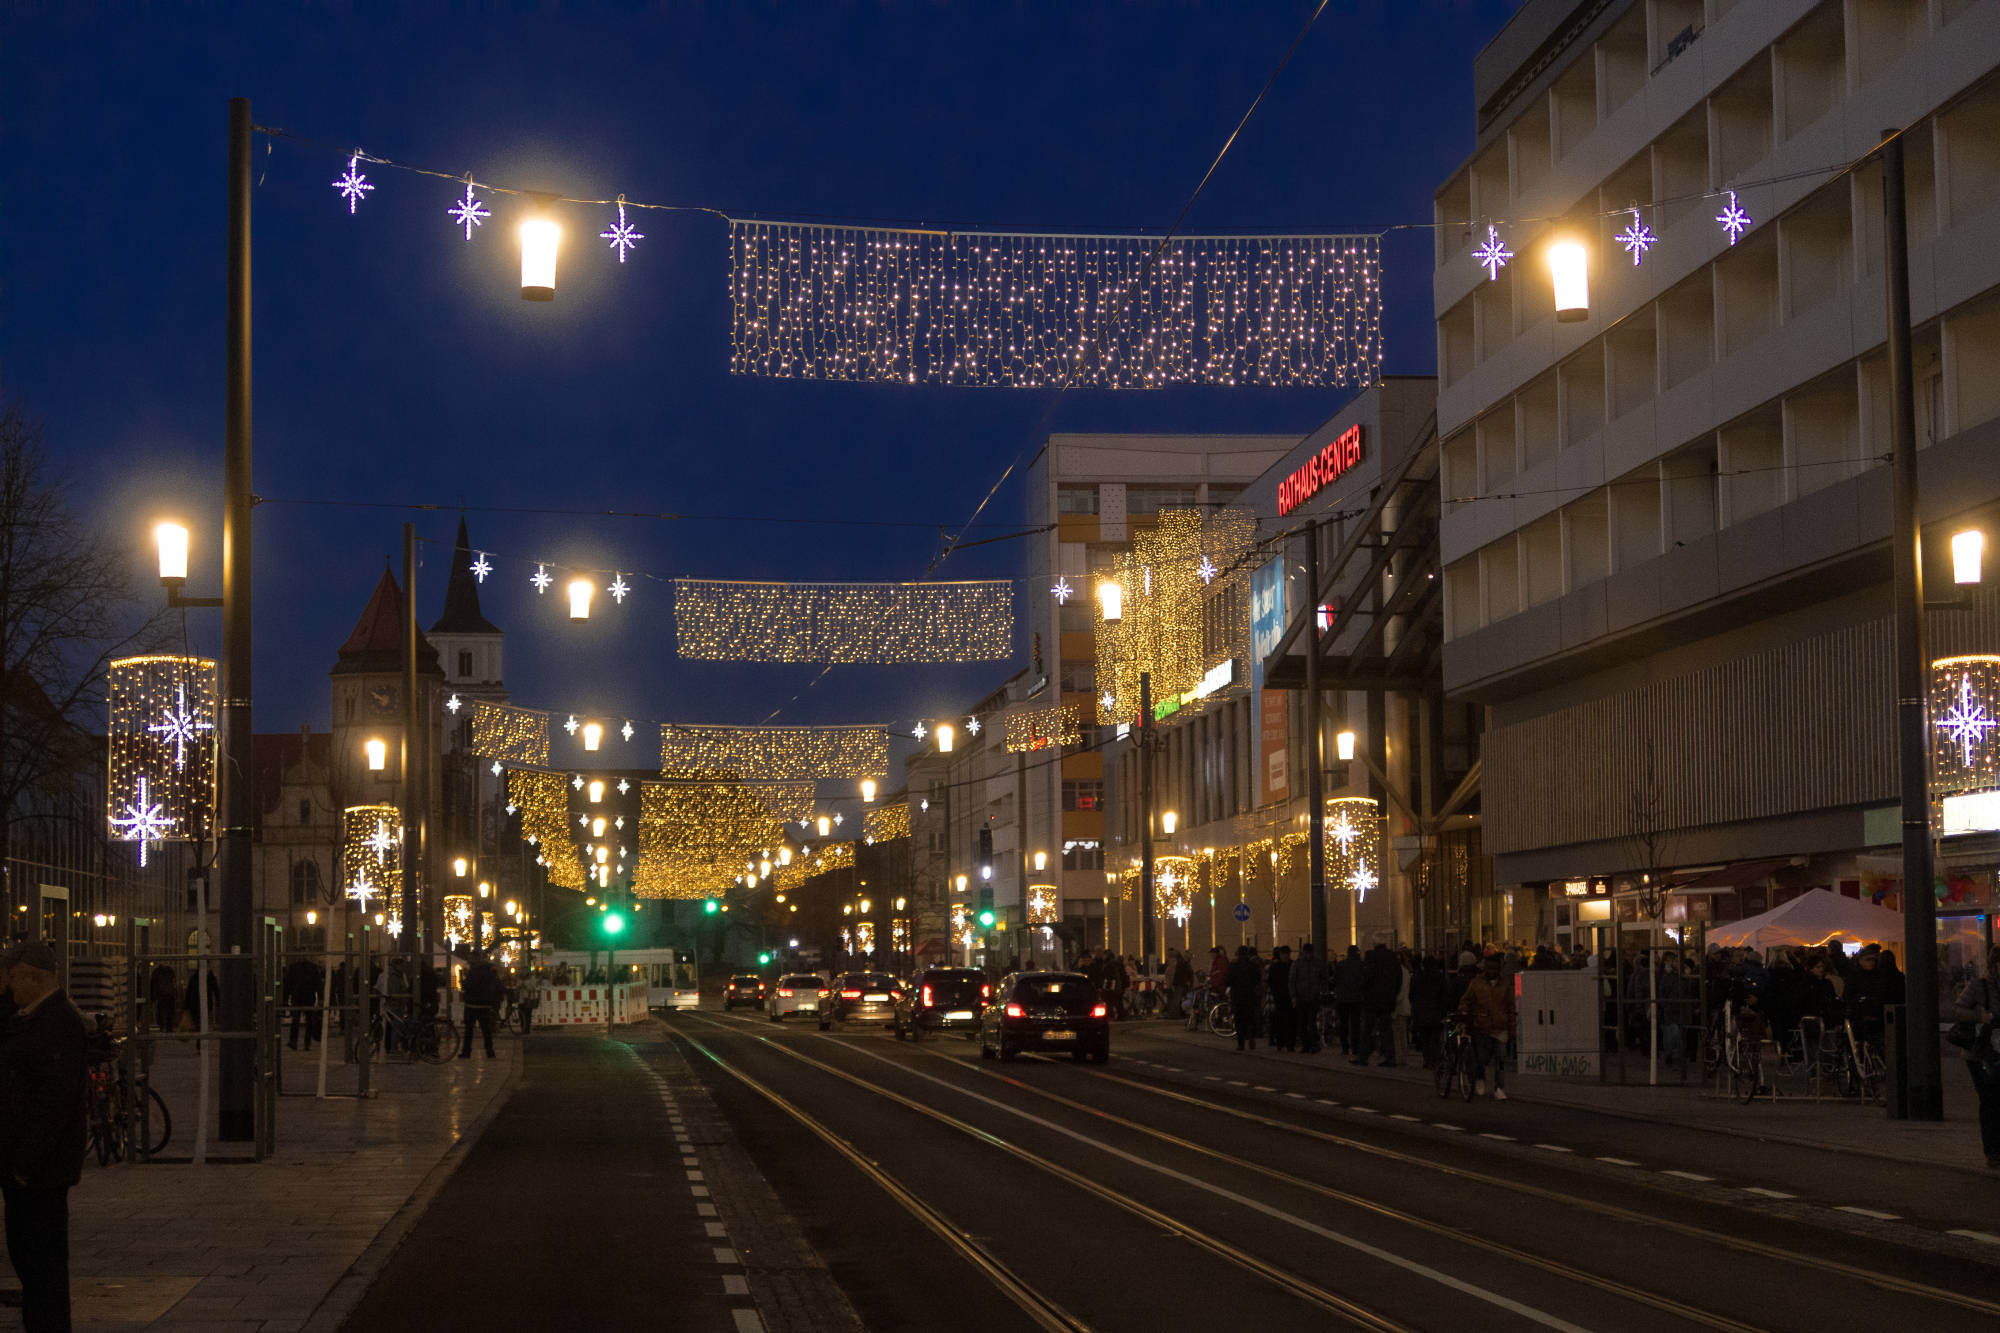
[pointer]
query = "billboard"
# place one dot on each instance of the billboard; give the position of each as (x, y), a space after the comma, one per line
(1269, 735)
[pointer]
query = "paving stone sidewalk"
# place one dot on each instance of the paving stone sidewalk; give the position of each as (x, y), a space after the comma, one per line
(284, 1244)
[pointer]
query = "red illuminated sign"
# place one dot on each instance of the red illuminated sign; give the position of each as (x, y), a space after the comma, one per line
(1339, 455)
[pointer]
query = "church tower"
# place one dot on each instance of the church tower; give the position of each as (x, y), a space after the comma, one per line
(470, 647)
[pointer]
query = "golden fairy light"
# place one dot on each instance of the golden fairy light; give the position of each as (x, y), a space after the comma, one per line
(773, 754)
(888, 822)
(1040, 728)
(1184, 589)
(543, 802)
(512, 735)
(844, 622)
(162, 742)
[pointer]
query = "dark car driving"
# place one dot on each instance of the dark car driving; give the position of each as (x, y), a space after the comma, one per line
(744, 988)
(1045, 1011)
(943, 999)
(861, 997)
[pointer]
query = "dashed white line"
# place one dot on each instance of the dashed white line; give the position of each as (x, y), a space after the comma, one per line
(698, 1191)
(1238, 1083)
(735, 1284)
(747, 1321)
(1213, 1078)
(1261, 1087)
(1768, 1194)
(1398, 1115)
(1553, 1147)
(1864, 1212)
(1365, 1110)
(1456, 1129)
(694, 1175)
(1504, 1138)
(716, 1231)
(1985, 1237)
(1300, 1095)
(1618, 1161)
(725, 1256)
(704, 1210)
(1695, 1176)
(1321, 1101)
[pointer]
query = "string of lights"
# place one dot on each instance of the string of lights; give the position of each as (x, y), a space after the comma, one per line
(371, 837)
(1176, 603)
(844, 622)
(886, 823)
(505, 733)
(162, 735)
(817, 860)
(1353, 840)
(1040, 728)
(542, 800)
(1965, 716)
(775, 754)
(713, 818)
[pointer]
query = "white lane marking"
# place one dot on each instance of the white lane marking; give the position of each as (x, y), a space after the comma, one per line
(1864, 1212)
(1443, 1279)
(735, 1284)
(1213, 1078)
(1172, 1069)
(1553, 1147)
(716, 1231)
(694, 1175)
(1985, 1236)
(1456, 1129)
(1504, 1138)
(1238, 1083)
(1300, 1095)
(1364, 1110)
(1398, 1115)
(747, 1321)
(1618, 1161)
(1262, 1088)
(1321, 1101)
(698, 1191)
(725, 1256)
(690, 1161)
(1768, 1194)
(704, 1210)
(1689, 1175)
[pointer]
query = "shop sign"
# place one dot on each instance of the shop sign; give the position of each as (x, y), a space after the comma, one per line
(1340, 454)
(1972, 812)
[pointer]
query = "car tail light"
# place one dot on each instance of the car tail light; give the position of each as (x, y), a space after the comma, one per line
(1097, 1011)
(985, 991)
(927, 997)
(1016, 1011)
(823, 992)
(784, 992)
(850, 995)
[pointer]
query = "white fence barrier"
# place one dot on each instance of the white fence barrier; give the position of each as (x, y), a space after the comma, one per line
(572, 1005)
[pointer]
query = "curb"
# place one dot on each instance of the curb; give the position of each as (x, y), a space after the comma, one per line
(352, 1285)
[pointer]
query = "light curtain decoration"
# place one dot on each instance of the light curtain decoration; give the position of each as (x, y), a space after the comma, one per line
(543, 800)
(723, 621)
(1018, 310)
(509, 734)
(1965, 723)
(817, 859)
(1039, 728)
(774, 754)
(689, 819)
(162, 776)
(659, 874)
(457, 918)
(1353, 845)
(1174, 884)
(371, 845)
(887, 822)
(1044, 903)
(1185, 594)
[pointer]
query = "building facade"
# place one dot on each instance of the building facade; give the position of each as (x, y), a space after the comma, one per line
(1666, 544)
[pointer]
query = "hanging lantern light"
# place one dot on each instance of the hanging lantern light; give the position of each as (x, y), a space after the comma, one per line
(579, 599)
(868, 789)
(1343, 745)
(597, 827)
(378, 753)
(592, 734)
(945, 736)
(784, 856)
(596, 790)
(172, 540)
(1569, 269)
(539, 240)
(1967, 549)
(1111, 597)
(825, 826)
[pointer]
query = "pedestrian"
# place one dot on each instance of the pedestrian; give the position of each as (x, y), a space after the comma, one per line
(393, 987)
(1489, 1005)
(1183, 981)
(483, 993)
(1384, 983)
(192, 999)
(1350, 984)
(1305, 981)
(1430, 1001)
(1244, 980)
(529, 995)
(1218, 974)
(43, 1076)
(1278, 984)
(302, 984)
(1978, 1010)
(165, 992)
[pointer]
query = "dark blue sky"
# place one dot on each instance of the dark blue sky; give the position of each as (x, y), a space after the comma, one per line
(396, 362)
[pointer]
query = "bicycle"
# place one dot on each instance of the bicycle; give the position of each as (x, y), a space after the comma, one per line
(110, 1099)
(1861, 1066)
(1455, 1061)
(431, 1037)
(1221, 1018)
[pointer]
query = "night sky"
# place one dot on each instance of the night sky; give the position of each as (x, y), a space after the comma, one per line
(395, 362)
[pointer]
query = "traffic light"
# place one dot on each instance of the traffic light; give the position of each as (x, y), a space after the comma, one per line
(711, 907)
(764, 959)
(986, 913)
(986, 854)
(613, 922)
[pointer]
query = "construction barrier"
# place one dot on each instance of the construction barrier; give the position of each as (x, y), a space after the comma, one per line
(573, 1005)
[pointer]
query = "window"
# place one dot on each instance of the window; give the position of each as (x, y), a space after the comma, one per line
(1083, 856)
(1079, 677)
(305, 882)
(1084, 794)
(1076, 499)
(465, 663)
(309, 939)
(1152, 499)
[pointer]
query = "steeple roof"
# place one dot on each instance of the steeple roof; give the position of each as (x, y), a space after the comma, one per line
(376, 644)
(461, 594)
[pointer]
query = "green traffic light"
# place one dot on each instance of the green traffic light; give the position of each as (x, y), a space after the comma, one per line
(614, 922)
(709, 907)
(986, 919)
(763, 960)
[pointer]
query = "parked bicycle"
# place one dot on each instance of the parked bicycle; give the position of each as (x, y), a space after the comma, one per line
(430, 1037)
(112, 1096)
(1455, 1064)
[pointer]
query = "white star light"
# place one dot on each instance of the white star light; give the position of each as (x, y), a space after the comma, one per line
(920, 731)
(622, 236)
(972, 725)
(623, 786)
(1362, 880)
(1180, 912)
(381, 841)
(481, 567)
(177, 727)
(618, 588)
(1966, 722)
(353, 185)
(618, 822)
(1207, 570)
(571, 725)
(1733, 219)
(496, 768)
(470, 211)
(541, 578)
(626, 730)
(511, 807)
(143, 820)
(452, 705)
(924, 805)
(1107, 699)
(361, 890)
(1637, 238)
(1062, 590)
(1492, 256)
(1344, 832)
(837, 819)
(577, 782)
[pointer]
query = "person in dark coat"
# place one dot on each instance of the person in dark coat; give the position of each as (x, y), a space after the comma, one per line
(1278, 984)
(1430, 1000)
(164, 990)
(1384, 984)
(1350, 984)
(1305, 983)
(302, 985)
(484, 991)
(43, 1075)
(1245, 979)
(191, 1000)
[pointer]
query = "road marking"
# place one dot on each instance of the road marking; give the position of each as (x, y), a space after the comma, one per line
(694, 1175)
(1238, 1083)
(1213, 1078)
(735, 1284)
(1768, 1194)
(704, 1210)
(725, 1256)
(1321, 1101)
(1553, 1147)
(1864, 1212)
(1689, 1175)
(716, 1231)
(1364, 1110)
(1300, 1095)
(1986, 1237)
(1456, 1129)
(698, 1191)
(1618, 1161)
(1262, 1088)
(1504, 1138)
(690, 1161)
(1398, 1115)
(747, 1321)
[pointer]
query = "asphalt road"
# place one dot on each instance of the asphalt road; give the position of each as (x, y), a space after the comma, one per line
(1187, 1186)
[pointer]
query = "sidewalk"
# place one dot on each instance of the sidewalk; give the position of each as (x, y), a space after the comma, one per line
(1833, 1126)
(271, 1247)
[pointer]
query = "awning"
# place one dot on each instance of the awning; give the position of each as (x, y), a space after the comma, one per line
(1729, 878)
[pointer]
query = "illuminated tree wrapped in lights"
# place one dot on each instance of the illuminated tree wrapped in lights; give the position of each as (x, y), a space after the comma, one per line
(1026, 310)
(1184, 590)
(162, 734)
(773, 754)
(509, 734)
(719, 621)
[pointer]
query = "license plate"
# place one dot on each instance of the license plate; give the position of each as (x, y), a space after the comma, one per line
(874, 999)
(1058, 1034)
(959, 1013)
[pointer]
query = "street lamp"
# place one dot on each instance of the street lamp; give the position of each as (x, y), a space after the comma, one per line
(596, 791)
(458, 866)
(825, 826)
(1569, 271)
(592, 734)
(378, 753)
(1967, 549)
(540, 238)
(1041, 861)
(1343, 745)
(1111, 598)
(579, 599)
(1169, 821)
(945, 736)
(172, 539)
(867, 789)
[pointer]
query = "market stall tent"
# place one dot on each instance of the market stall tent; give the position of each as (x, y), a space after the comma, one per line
(1812, 918)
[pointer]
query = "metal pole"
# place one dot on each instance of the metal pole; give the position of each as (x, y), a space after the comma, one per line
(1923, 1077)
(237, 1100)
(1315, 758)
(411, 761)
(1147, 926)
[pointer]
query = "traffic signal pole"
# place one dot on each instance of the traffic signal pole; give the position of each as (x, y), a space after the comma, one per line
(1147, 926)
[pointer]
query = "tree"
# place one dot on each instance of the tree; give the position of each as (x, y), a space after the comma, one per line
(67, 608)
(1651, 845)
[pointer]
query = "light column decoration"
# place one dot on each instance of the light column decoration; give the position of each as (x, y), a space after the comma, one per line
(371, 838)
(1965, 743)
(1353, 848)
(162, 750)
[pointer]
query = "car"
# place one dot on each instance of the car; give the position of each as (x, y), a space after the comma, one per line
(1045, 1011)
(943, 999)
(795, 993)
(743, 988)
(861, 997)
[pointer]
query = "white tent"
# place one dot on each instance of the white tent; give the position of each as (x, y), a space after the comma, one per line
(1812, 918)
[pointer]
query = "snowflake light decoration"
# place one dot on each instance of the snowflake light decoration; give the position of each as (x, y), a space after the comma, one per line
(618, 822)
(626, 730)
(924, 806)
(571, 725)
(179, 727)
(381, 842)
(1362, 880)
(1637, 238)
(623, 236)
(512, 808)
(362, 889)
(1062, 591)
(1180, 912)
(577, 782)
(353, 185)
(1733, 219)
(618, 588)
(1206, 570)
(1492, 256)
(452, 705)
(469, 211)
(541, 578)
(480, 567)
(1966, 722)
(1108, 699)
(623, 786)
(496, 768)
(1343, 831)
(144, 819)
(920, 731)
(972, 725)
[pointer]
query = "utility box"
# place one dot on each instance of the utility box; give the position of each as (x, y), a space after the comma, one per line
(1558, 1017)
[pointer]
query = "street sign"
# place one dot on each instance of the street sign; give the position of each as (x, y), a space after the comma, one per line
(1242, 912)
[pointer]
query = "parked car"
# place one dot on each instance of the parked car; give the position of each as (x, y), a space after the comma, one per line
(743, 988)
(795, 993)
(861, 997)
(1045, 1011)
(943, 999)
